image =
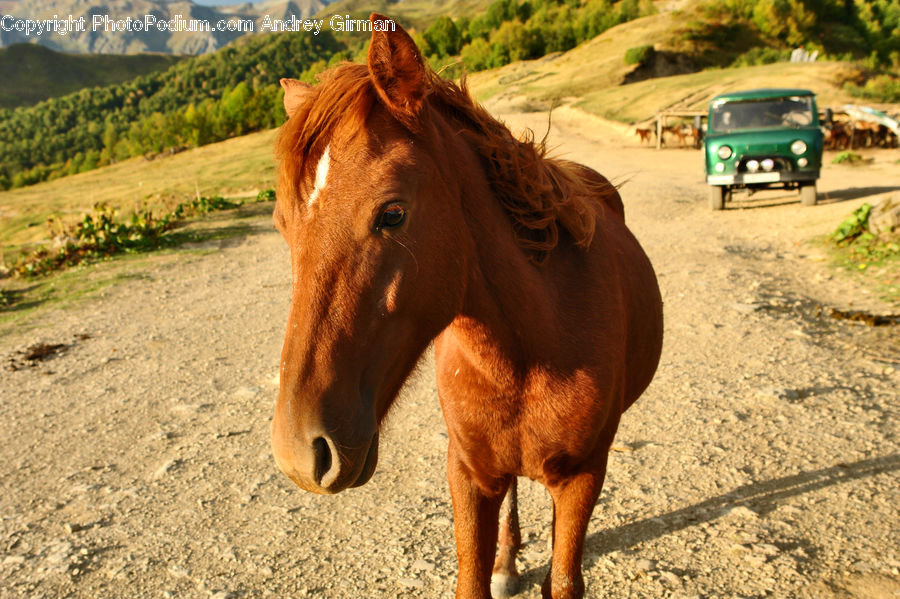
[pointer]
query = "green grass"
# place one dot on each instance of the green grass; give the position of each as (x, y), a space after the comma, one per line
(61, 290)
(876, 259)
(31, 73)
(878, 270)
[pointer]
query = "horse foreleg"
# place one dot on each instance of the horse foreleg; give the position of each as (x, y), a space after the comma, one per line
(505, 577)
(573, 502)
(475, 517)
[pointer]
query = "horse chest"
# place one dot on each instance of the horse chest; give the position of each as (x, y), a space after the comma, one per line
(517, 430)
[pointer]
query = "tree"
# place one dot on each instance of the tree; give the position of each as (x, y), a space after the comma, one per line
(442, 38)
(785, 20)
(477, 55)
(110, 136)
(513, 41)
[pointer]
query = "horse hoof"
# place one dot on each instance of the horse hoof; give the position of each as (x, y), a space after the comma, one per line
(503, 585)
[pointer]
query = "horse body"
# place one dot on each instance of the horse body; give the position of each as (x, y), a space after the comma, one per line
(413, 216)
(533, 376)
(547, 350)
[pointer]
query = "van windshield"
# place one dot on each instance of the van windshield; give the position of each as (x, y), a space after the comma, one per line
(796, 111)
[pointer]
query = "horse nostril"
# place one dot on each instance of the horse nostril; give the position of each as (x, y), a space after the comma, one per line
(322, 453)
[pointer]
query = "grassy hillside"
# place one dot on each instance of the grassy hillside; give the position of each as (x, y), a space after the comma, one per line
(596, 64)
(235, 91)
(236, 167)
(640, 101)
(31, 73)
(197, 101)
(594, 77)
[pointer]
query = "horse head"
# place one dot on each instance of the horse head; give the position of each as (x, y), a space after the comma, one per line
(378, 256)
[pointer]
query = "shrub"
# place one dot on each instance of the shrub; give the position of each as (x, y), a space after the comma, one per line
(99, 234)
(761, 55)
(442, 38)
(856, 225)
(639, 54)
(477, 55)
(847, 156)
(857, 248)
(881, 88)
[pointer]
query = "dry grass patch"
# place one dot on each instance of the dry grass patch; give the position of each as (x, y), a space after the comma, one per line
(236, 167)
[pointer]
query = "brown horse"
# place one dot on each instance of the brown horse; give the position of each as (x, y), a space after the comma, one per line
(412, 215)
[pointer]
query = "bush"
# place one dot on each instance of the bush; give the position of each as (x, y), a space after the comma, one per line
(856, 225)
(442, 38)
(477, 55)
(514, 41)
(858, 248)
(761, 55)
(848, 157)
(639, 55)
(881, 88)
(100, 234)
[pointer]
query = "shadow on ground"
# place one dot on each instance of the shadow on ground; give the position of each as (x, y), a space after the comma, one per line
(761, 497)
(853, 193)
(767, 199)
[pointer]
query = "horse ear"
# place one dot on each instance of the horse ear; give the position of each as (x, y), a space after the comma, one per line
(295, 94)
(397, 70)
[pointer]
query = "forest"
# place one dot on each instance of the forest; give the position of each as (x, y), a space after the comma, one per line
(197, 101)
(235, 91)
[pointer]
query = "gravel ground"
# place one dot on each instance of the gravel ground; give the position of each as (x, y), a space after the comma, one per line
(762, 461)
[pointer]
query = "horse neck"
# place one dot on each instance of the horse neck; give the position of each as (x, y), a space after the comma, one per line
(508, 313)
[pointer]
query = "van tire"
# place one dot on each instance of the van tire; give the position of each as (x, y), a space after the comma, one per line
(717, 195)
(808, 194)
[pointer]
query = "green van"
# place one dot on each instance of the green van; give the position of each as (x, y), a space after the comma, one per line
(761, 139)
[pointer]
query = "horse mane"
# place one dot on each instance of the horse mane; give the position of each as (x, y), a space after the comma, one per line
(341, 102)
(538, 193)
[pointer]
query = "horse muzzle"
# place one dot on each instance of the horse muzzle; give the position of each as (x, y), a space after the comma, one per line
(324, 465)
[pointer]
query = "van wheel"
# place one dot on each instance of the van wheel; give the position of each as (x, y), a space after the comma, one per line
(717, 195)
(808, 194)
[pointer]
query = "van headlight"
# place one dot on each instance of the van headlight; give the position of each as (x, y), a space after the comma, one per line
(798, 147)
(724, 152)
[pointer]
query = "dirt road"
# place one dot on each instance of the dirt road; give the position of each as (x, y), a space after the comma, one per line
(764, 460)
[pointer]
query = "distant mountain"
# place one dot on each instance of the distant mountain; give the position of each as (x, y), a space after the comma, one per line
(30, 73)
(166, 26)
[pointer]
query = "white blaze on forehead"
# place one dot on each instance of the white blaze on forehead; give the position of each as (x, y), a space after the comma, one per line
(321, 175)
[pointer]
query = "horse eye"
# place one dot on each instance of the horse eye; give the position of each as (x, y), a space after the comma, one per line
(391, 217)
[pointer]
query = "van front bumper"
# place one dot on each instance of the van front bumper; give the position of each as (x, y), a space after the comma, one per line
(763, 178)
